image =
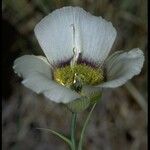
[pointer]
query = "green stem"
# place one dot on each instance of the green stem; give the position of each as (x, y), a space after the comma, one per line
(84, 127)
(73, 127)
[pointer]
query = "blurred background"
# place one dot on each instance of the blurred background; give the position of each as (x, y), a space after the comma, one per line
(119, 121)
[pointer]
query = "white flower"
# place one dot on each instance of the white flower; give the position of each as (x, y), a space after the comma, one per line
(76, 45)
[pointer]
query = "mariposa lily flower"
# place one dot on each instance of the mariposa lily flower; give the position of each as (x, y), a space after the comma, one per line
(76, 66)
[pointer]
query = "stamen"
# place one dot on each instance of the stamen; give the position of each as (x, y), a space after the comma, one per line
(77, 83)
(76, 51)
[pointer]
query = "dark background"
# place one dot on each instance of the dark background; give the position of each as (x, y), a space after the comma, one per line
(119, 120)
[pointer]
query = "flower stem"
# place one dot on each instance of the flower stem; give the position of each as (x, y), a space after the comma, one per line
(73, 127)
(84, 127)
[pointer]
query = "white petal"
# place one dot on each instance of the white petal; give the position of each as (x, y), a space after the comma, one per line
(27, 64)
(121, 67)
(52, 90)
(96, 34)
(69, 27)
(54, 33)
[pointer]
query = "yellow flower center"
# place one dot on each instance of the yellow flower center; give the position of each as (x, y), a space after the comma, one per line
(80, 74)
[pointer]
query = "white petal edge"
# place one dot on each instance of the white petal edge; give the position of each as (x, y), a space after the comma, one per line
(39, 83)
(27, 64)
(120, 67)
(93, 35)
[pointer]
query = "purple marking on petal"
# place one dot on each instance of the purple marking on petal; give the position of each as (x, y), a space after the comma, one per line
(66, 62)
(62, 63)
(87, 62)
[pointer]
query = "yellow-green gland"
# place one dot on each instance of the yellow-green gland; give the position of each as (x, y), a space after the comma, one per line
(88, 75)
(77, 76)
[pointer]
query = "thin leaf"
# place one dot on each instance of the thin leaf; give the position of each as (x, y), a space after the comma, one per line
(58, 135)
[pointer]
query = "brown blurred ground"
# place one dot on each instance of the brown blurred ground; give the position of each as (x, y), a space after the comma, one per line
(119, 122)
